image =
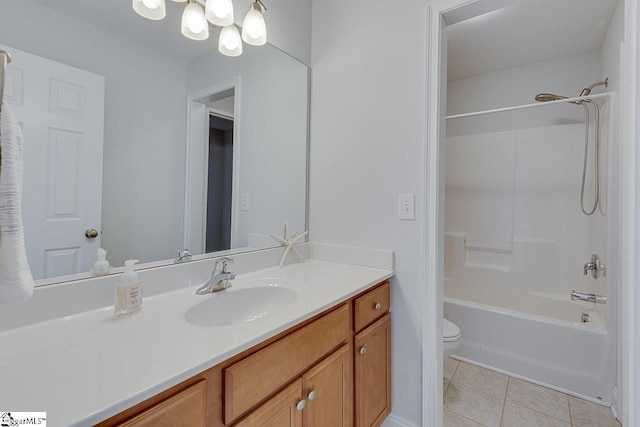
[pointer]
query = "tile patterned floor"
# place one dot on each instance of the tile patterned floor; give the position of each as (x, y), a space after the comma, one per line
(478, 397)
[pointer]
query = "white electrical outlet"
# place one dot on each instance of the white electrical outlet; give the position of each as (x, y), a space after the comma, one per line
(244, 202)
(407, 206)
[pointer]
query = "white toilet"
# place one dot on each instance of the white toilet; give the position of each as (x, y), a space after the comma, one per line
(450, 337)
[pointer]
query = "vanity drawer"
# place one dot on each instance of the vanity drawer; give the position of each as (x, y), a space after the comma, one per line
(185, 408)
(254, 378)
(371, 306)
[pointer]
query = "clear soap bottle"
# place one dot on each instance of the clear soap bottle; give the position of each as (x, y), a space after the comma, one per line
(128, 292)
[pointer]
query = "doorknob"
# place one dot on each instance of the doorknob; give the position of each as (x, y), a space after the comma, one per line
(91, 233)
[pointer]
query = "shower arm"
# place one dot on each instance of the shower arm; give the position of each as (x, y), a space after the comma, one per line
(587, 90)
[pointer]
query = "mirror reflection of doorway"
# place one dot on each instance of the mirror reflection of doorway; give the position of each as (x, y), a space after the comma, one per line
(219, 183)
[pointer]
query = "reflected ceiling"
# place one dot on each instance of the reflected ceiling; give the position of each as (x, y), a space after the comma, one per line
(119, 17)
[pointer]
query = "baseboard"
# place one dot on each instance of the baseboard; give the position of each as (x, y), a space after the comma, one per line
(395, 421)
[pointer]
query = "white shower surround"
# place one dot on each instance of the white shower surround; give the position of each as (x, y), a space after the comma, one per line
(515, 242)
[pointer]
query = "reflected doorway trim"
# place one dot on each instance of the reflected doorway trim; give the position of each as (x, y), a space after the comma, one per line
(195, 182)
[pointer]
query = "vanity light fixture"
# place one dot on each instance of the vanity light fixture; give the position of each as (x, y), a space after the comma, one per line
(150, 9)
(194, 24)
(195, 21)
(230, 43)
(219, 12)
(254, 30)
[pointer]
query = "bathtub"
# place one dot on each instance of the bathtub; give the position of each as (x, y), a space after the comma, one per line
(538, 338)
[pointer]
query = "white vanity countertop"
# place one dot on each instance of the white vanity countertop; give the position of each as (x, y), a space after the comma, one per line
(88, 367)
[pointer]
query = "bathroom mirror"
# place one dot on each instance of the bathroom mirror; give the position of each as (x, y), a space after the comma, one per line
(161, 178)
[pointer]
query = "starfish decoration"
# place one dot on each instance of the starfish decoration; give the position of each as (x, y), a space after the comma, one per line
(289, 241)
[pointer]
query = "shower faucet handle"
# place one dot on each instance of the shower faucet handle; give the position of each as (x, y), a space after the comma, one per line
(594, 267)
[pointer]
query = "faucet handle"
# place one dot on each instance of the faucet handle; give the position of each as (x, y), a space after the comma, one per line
(184, 255)
(224, 261)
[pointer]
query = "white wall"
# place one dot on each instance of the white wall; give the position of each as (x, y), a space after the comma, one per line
(517, 86)
(271, 135)
(288, 25)
(367, 134)
(143, 180)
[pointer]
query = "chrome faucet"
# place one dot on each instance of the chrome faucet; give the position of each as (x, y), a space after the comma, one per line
(579, 296)
(219, 281)
(184, 255)
(594, 267)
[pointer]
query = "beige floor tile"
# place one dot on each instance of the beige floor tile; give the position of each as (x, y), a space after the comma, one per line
(476, 405)
(482, 379)
(449, 368)
(588, 414)
(517, 416)
(538, 398)
(445, 384)
(452, 419)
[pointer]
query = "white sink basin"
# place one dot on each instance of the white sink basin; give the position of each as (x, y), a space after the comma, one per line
(241, 306)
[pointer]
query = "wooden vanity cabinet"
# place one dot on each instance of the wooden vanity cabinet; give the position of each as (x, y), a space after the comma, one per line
(373, 373)
(372, 357)
(338, 363)
(322, 397)
(254, 378)
(187, 408)
(279, 411)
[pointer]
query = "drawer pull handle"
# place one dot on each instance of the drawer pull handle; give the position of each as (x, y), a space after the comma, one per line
(312, 395)
(363, 350)
(301, 405)
(378, 306)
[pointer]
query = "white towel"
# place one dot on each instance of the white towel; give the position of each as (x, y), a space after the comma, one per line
(16, 281)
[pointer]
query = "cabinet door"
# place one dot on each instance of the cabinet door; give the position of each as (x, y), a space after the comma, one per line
(372, 355)
(279, 411)
(328, 389)
(186, 408)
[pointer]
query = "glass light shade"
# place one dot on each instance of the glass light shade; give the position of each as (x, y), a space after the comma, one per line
(230, 43)
(194, 24)
(254, 30)
(150, 9)
(219, 12)
(180, 1)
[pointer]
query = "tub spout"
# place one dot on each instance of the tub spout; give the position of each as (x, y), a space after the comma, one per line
(579, 296)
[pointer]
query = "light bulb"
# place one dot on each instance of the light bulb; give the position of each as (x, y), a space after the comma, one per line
(150, 9)
(230, 43)
(194, 24)
(254, 29)
(150, 4)
(219, 12)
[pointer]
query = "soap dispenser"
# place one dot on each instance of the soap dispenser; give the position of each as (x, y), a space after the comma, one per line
(128, 292)
(101, 267)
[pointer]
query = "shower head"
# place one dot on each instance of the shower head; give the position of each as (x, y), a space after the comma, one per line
(546, 97)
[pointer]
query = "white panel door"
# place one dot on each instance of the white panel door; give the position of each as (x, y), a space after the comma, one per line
(61, 112)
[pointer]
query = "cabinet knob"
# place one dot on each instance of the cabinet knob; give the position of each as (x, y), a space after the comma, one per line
(301, 405)
(312, 395)
(363, 350)
(378, 306)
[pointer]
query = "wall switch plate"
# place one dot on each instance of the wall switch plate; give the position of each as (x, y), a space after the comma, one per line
(407, 206)
(244, 202)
